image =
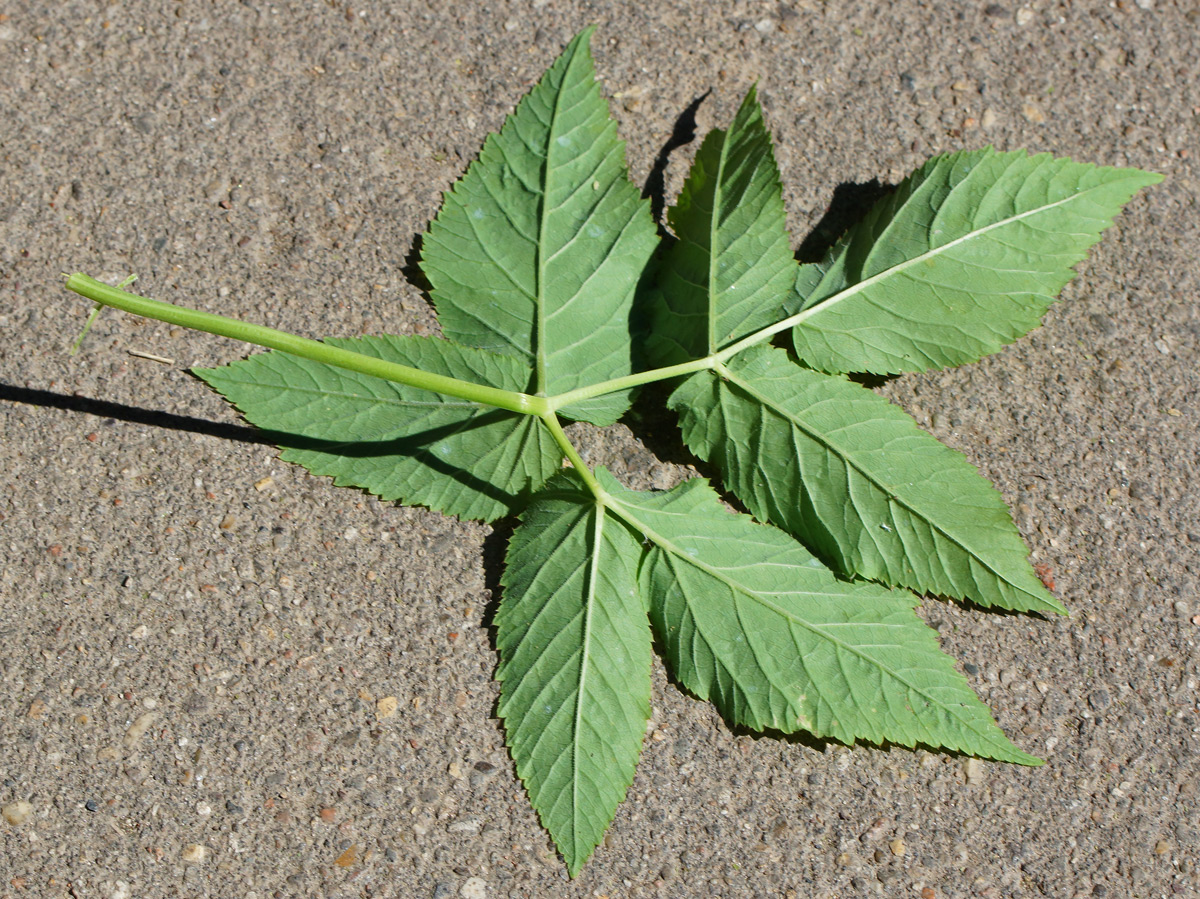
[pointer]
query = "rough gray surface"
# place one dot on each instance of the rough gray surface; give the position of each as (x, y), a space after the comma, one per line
(192, 658)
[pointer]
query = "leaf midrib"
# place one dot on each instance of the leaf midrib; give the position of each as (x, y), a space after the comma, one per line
(713, 233)
(383, 400)
(804, 315)
(543, 215)
(584, 660)
(821, 438)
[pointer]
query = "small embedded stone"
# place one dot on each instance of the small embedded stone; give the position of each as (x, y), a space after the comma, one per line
(138, 729)
(195, 854)
(974, 771)
(386, 707)
(17, 813)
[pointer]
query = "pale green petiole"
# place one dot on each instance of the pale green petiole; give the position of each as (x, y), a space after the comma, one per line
(690, 367)
(550, 420)
(107, 295)
(637, 379)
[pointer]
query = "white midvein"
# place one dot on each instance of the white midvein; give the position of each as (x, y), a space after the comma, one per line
(854, 289)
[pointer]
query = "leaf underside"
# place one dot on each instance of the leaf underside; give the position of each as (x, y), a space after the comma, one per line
(752, 621)
(538, 249)
(398, 442)
(574, 643)
(963, 258)
(731, 270)
(534, 262)
(853, 476)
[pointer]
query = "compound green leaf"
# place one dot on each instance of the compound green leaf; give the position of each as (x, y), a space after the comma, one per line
(539, 247)
(853, 477)
(574, 643)
(398, 442)
(752, 621)
(731, 270)
(962, 259)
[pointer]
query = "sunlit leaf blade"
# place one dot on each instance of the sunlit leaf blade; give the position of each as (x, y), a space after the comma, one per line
(731, 271)
(963, 258)
(752, 621)
(398, 442)
(853, 477)
(574, 644)
(538, 248)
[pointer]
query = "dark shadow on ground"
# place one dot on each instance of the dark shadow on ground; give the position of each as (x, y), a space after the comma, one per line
(134, 414)
(682, 134)
(409, 445)
(495, 546)
(848, 206)
(412, 270)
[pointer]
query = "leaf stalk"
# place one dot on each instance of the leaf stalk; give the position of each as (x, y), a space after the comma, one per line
(562, 400)
(554, 426)
(105, 294)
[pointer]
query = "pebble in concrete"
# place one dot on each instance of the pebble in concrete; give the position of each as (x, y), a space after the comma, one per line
(17, 813)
